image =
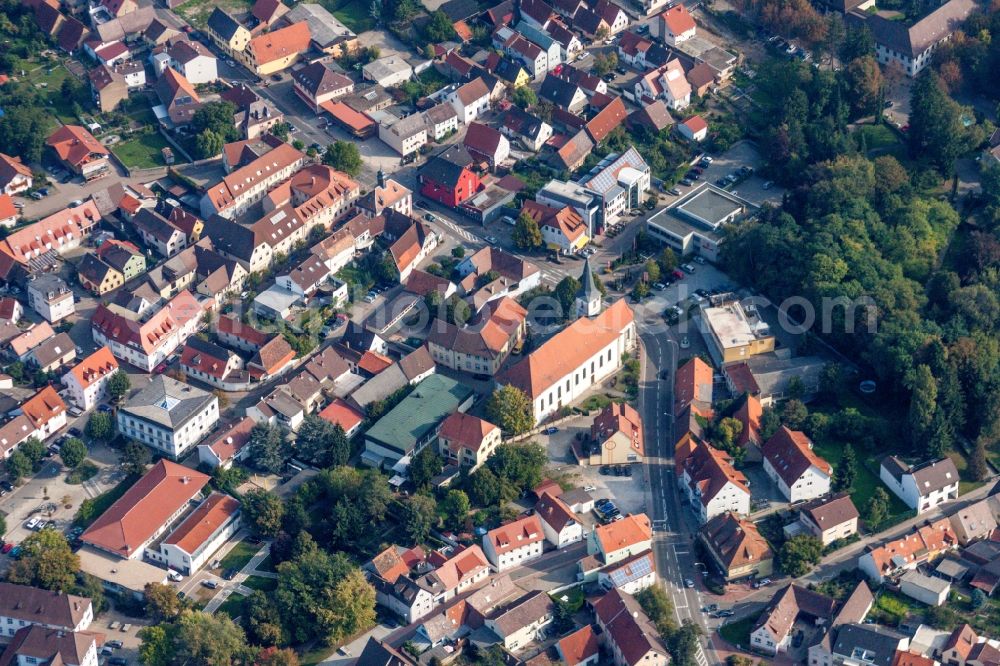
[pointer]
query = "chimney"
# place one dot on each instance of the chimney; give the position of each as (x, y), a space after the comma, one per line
(381, 178)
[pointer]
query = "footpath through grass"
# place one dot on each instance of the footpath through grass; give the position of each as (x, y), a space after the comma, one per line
(238, 557)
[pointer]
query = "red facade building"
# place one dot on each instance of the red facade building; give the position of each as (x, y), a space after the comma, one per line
(448, 177)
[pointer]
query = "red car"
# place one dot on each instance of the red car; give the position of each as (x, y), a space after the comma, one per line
(678, 273)
(7, 547)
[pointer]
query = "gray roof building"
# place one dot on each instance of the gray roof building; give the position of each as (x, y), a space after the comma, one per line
(168, 403)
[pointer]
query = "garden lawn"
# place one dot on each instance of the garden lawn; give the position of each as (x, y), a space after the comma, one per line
(355, 14)
(738, 633)
(233, 605)
(142, 151)
(966, 483)
(261, 583)
(238, 557)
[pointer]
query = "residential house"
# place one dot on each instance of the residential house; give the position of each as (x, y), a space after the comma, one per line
(736, 547)
(607, 120)
(676, 25)
(573, 360)
(46, 412)
(442, 120)
(146, 510)
(709, 481)
(668, 83)
(51, 297)
(627, 633)
(580, 648)
(613, 15)
(559, 524)
(387, 194)
(97, 276)
(388, 72)
(178, 96)
(574, 152)
(87, 381)
(467, 440)
(227, 446)
(214, 365)
(107, 87)
(523, 621)
(11, 310)
(570, 46)
(693, 129)
(80, 151)
(267, 12)
(590, 23)
(830, 518)
(693, 386)
(791, 463)
(616, 436)
(514, 276)
(254, 115)
(514, 544)
(909, 551)
(536, 13)
(169, 416)
(15, 176)
(327, 33)
(470, 100)
(404, 135)
(279, 407)
(976, 521)
(37, 645)
(192, 60)
(379, 653)
(276, 51)
(621, 539)
(749, 414)
(245, 186)
(772, 633)
(563, 93)
(59, 233)
(318, 83)
(34, 335)
(562, 228)
(921, 487)
(273, 358)
(412, 246)
(486, 143)
(526, 129)
(53, 354)
(448, 178)
(122, 256)
(159, 233)
(23, 606)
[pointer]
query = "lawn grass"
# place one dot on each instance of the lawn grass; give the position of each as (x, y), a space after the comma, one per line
(966, 483)
(891, 608)
(878, 138)
(355, 14)
(314, 655)
(196, 12)
(238, 557)
(266, 564)
(738, 633)
(233, 605)
(599, 401)
(261, 583)
(142, 152)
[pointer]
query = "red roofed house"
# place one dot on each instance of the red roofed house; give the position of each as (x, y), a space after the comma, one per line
(563, 229)
(580, 648)
(627, 632)
(790, 462)
(559, 523)
(214, 365)
(15, 176)
(487, 143)
(676, 25)
(60, 232)
(693, 129)
(470, 100)
(621, 539)
(146, 510)
(609, 118)
(340, 413)
(145, 343)
(749, 414)
(693, 385)
(227, 446)
(276, 50)
(80, 151)
(9, 212)
(46, 411)
(514, 544)
(709, 481)
(467, 440)
(87, 380)
(188, 547)
(616, 436)
(11, 310)
(272, 358)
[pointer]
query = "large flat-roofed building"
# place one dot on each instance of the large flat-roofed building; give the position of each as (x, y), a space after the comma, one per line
(414, 423)
(120, 576)
(734, 333)
(588, 203)
(694, 223)
(169, 416)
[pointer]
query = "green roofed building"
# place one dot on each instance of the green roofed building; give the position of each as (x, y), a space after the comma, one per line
(413, 424)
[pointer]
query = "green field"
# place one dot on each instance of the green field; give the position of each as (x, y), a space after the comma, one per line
(738, 633)
(261, 583)
(355, 14)
(233, 605)
(143, 151)
(238, 557)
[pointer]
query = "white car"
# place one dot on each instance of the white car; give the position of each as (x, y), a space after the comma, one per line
(31, 524)
(174, 576)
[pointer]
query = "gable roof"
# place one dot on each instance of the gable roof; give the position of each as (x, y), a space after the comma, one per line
(32, 604)
(786, 606)
(223, 24)
(137, 515)
(628, 627)
(280, 43)
(447, 167)
(95, 367)
(735, 541)
(626, 533)
(472, 91)
(693, 384)
(619, 417)
(75, 145)
(559, 91)
(199, 525)
(579, 646)
(320, 79)
(554, 512)
(710, 470)
(232, 439)
(572, 154)
(609, 118)
(678, 20)
(516, 534)
(482, 139)
(44, 406)
(791, 455)
(827, 512)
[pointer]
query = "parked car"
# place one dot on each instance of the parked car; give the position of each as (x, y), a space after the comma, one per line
(7, 547)
(685, 343)
(687, 182)
(551, 430)
(700, 260)
(688, 582)
(677, 273)
(725, 613)
(492, 240)
(114, 645)
(230, 573)
(106, 651)
(659, 286)
(210, 584)
(117, 661)
(688, 268)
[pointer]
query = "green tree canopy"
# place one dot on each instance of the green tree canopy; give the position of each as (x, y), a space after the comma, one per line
(800, 554)
(510, 408)
(73, 452)
(526, 234)
(100, 426)
(119, 384)
(343, 156)
(263, 511)
(267, 448)
(46, 561)
(419, 517)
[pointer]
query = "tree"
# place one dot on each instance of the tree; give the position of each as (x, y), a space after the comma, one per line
(46, 561)
(566, 292)
(162, 602)
(134, 458)
(864, 82)
(262, 620)
(484, 487)
(73, 452)
(100, 426)
(343, 156)
(510, 408)
(770, 422)
(23, 132)
(727, 431)
(212, 640)
(846, 471)
(878, 507)
(455, 506)
(659, 608)
(683, 644)
(325, 597)
(923, 404)
(419, 517)
(519, 467)
(439, 28)
(978, 599)
(526, 234)
(794, 414)
(937, 132)
(321, 442)
(524, 97)
(267, 448)
(653, 270)
(667, 260)
(978, 467)
(119, 385)
(263, 511)
(458, 252)
(216, 117)
(208, 144)
(18, 466)
(272, 656)
(800, 554)
(425, 466)
(604, 64)
(157, 645)
(640, 291)
(34, 451)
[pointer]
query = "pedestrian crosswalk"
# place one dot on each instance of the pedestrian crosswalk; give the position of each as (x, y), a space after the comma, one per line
(458, 230)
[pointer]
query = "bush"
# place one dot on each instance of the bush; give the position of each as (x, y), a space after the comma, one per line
(83, 472)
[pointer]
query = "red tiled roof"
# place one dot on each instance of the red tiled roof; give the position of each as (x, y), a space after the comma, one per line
(229, 442)
(203, 522)
(515, 535)
(340, 413)
(579, 646)
(696, 124)
(75, 145)
(610, 117)
(625, 533)
(678, 19)
(465, 431)
(98, 365)
(692, 384)
(43, 406)
(619, 417)
(280, 43)
(791, 455)
(136, 516)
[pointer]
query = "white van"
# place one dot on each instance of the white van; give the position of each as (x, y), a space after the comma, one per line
(174, 576)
